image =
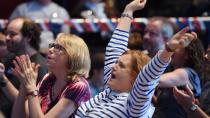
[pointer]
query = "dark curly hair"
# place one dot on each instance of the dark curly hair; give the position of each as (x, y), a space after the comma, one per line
(195, 52)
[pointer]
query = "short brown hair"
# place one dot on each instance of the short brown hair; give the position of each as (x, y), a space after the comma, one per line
(31, 29)
(138, 60)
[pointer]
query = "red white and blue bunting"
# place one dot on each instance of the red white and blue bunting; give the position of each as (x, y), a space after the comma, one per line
(106, 25)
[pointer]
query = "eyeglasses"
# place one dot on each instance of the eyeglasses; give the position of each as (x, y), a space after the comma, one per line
(57, 47)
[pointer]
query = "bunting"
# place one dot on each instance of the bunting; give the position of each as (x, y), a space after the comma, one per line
(108, 25)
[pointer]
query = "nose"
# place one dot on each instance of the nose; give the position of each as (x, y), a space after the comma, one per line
(50, 50)
(114, 67)
(8, 37)
(146, 36)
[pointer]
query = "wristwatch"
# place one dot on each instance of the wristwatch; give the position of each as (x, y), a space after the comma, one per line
(193, 107)
(33, 93)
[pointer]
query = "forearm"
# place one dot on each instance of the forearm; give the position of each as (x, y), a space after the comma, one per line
(165, 55)
(34, 107)
(9, 90)
(118, 43)
(125, 21)
(20, 107)
(144, 86)
(198, 113)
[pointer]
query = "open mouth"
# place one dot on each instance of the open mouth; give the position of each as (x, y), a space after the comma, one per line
(113, 76)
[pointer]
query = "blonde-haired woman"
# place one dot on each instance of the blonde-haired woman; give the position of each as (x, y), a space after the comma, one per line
(63, 89)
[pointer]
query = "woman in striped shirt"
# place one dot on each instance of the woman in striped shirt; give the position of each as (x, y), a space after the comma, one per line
(129, 86)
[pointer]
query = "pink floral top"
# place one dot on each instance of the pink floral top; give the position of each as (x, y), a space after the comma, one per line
(77, 91)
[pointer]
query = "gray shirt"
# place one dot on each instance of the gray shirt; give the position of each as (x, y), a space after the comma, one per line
(35, 10)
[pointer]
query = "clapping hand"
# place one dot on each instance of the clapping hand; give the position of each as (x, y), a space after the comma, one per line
(26, 71)
(184, 97)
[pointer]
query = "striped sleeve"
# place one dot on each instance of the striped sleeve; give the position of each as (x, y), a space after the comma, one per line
(87, 106)
(116, 46)
(140, 97)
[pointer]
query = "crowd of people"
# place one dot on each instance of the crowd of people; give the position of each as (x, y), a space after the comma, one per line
(163, 73)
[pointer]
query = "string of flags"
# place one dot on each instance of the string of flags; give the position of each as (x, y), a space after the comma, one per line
(108, 25)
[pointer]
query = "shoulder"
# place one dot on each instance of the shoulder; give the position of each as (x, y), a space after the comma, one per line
(62, 11)
(77, 91)
(79, 82)
(23, 5)
(194, 80)
(192, 74)
(26, 5)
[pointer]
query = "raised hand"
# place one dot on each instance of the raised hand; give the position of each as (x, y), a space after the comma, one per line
(136, 5)
(26, 71)
(181, 39)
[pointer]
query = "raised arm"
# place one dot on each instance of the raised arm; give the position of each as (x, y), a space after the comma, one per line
(140, 97)
(118, 43)
(178, 77)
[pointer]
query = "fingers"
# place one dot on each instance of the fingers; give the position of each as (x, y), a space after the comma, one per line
(137, 5)
(194, 34)
(189, 92)
(16, 73)
(23, 62)
(17, 62)
(17, 67)
(28, 61)
(183, 31)
(178, 93)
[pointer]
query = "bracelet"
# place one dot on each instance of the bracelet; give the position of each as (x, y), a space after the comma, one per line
(127, 15)
(168, 49)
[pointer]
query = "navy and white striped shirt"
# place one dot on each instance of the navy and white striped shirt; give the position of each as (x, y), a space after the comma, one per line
(136, 103)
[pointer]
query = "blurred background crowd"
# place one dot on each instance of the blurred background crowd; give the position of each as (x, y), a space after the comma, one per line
(113, 8)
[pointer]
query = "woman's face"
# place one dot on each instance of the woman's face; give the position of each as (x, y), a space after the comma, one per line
(121, 79)
(179, 58)
(57, 57)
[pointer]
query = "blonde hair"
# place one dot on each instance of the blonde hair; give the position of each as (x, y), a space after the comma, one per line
(78, 54)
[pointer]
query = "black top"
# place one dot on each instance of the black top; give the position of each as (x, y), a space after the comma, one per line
(167, 107)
